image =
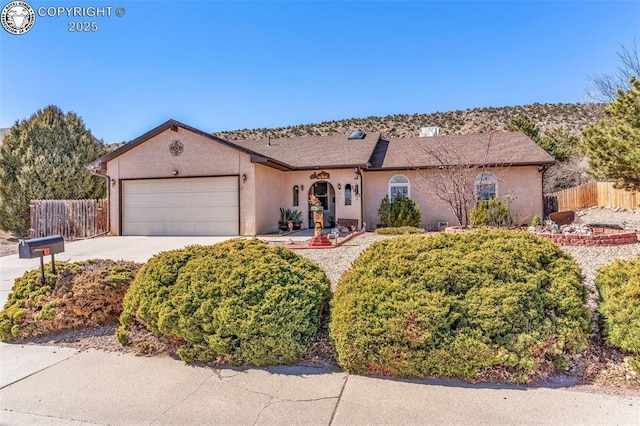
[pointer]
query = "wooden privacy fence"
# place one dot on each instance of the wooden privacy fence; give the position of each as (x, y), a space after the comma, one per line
(70, 219)
(591, 194)
(608, 196)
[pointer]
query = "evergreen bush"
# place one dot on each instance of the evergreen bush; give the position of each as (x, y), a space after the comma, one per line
(619, 287)
(455, 304)
(490, 213)
(536, 221)
(46, 157)
(402, 211)
(240, 301)
(79, 294)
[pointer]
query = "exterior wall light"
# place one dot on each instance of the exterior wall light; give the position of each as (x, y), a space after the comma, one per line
(244, 178)
(174, 172)
(339, 186)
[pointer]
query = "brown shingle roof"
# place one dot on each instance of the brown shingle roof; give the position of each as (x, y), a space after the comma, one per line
(316, 151)
(505, 148)
(338, 151)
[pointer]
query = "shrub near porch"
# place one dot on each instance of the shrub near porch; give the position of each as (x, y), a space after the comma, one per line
(240, 302)
(454, 305)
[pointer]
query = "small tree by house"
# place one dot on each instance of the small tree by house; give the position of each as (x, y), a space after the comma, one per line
(402, 211)
(45, 157)
(612, 144)
(456, 178)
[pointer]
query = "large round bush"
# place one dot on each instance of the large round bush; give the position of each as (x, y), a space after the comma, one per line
(240, 301)
(619, 286)
(453, 305)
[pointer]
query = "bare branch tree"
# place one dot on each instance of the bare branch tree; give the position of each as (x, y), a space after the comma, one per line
(605, 86)
(453, 181)
(567, 174)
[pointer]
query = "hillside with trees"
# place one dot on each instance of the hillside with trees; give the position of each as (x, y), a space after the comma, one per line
(573, 118)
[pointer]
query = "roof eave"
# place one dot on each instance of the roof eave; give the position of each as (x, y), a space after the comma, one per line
(438, 166)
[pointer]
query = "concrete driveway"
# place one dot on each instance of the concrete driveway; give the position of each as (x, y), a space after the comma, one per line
(136, 249)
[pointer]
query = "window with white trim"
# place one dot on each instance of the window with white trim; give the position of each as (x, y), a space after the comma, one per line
(399, 186)
(486, 186)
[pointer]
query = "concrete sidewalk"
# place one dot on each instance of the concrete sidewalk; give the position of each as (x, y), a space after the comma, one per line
(96, 387)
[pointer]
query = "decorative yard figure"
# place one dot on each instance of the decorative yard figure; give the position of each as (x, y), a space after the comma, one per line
(317, 220)
(318, 239)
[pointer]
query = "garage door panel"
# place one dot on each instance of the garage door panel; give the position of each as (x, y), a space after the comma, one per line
(179, 214)
(187, 206)
(144, 201)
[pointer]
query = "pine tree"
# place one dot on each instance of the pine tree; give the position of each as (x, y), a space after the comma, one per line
(613, 144)
(522, 123)
(46, 157)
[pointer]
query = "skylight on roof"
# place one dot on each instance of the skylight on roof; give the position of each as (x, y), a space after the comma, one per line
(357, 134)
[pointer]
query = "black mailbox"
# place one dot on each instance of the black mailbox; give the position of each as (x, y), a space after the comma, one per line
(37, 247)
(41, 247)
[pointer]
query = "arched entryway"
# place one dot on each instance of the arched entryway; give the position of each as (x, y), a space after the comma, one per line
(326, 194)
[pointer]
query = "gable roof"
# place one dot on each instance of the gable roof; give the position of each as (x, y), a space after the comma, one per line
(101, 163)
(495, 149)
(373, 152)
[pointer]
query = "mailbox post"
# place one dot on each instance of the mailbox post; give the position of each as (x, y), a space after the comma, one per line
(41, 247)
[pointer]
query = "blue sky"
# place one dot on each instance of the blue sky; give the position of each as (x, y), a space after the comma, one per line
(229, 65)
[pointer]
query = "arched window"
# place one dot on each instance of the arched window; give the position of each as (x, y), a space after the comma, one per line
(486, 186)
(399, 186)
(347, 194)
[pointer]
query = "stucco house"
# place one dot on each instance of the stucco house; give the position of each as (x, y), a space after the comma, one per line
(178, 180)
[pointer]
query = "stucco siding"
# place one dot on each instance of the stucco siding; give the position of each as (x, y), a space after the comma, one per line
(270, 193)
(520, 185)
(200, 157)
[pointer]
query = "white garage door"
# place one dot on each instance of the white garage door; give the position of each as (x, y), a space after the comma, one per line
(181, 206)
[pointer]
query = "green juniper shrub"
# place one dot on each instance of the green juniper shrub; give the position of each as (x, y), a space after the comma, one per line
(453, 305)
(384, 210)
(536, 221)
(490, 213)
(402, 211)
(400, 230)
(240, 302)
(80, 294)
(619, 287)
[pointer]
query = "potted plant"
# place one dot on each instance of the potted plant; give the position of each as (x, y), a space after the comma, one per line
(283, 222)
(297, 219)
